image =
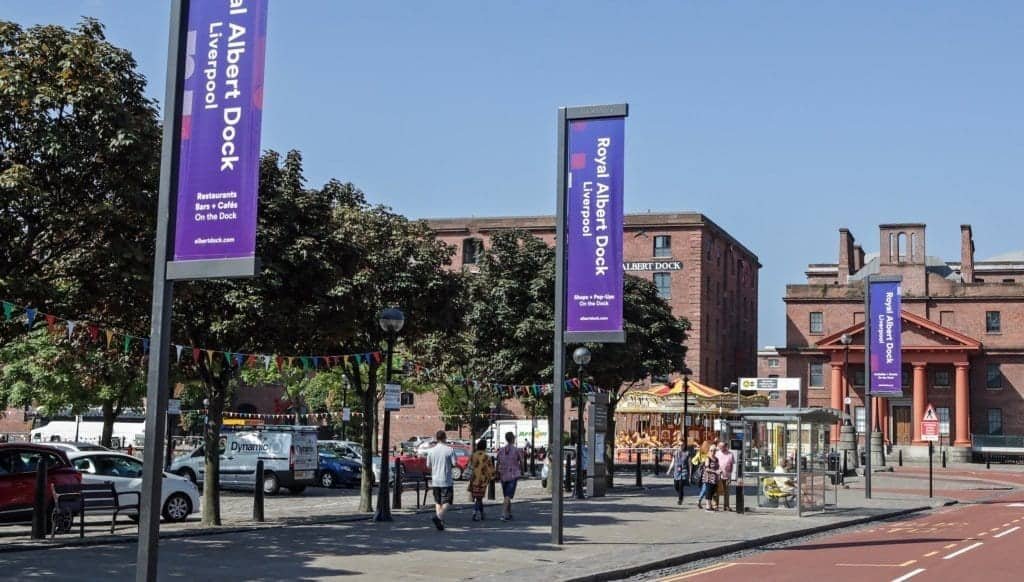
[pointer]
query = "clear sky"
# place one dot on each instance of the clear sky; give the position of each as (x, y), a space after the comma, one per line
(782, 121)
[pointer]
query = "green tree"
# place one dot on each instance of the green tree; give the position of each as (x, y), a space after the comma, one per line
(73, 374)
(79, 144)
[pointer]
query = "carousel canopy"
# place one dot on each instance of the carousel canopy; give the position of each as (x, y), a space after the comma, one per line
(695, 388)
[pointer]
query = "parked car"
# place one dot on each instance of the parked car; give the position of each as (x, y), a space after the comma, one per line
(335, 470)
(18, 463)
(77, 447)
(462, 455)
(410, 464)
(344, 449)
(179, 499)
(289, 455)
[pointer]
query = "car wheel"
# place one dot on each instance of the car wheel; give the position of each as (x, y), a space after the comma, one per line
(457, 473)
(188, 474)
(327, 479)
(270, 484)
(177, 507)
(296, 489)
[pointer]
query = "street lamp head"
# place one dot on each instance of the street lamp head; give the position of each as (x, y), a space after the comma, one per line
(734, 387)
(391, 320)
(846, 339)
(581, 356)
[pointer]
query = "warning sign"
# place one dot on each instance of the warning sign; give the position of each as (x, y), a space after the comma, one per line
(930, 425)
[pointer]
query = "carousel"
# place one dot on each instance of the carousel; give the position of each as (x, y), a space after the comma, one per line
(653, 418)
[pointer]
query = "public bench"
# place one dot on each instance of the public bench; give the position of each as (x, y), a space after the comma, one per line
(84, 498)
(417, 479)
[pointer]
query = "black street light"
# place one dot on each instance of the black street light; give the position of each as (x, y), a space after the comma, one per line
(582, 357)
(686, 412)
(391, 321)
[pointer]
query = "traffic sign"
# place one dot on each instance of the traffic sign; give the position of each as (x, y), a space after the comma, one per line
(930, 425)
(772, 384)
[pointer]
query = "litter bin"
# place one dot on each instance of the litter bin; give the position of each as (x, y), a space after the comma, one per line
(834, 470)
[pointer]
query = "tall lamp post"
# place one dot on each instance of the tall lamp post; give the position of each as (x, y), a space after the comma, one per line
(391, 321)
(686, 412)
(582, 357)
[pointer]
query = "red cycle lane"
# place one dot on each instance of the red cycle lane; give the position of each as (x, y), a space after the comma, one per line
(982, 539)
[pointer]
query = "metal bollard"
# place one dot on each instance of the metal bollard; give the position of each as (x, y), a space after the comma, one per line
(568, 473)
(943, 458)
(639, 474)
(657, 462)
(739, 496)
(901, 457)
(396, 503)
(39, 509)
(988, 461)
(257, 498)
(846, 455)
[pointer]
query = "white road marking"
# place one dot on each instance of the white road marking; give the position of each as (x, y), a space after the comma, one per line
(1009, 531)
(962, 550)
(909, 575)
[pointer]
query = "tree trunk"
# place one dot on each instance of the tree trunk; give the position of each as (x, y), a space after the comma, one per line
(216, 390)
(108, 424)
(368, 400)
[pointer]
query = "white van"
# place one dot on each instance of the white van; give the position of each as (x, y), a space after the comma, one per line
(124, 433)
(288, 453)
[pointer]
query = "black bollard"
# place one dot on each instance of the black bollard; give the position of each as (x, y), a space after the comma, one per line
(257, 498)
(931, 452)
(657, 462)
(568, 473)
(943, 458)
(846, 455)
(396, 503)
(739, 496)
(639, 474)
(901, 457)
(988, 461)
(39, 509)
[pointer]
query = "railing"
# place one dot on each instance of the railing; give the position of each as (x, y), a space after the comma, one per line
(997, 441)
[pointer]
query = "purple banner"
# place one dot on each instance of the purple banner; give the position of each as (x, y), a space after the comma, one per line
(222, 107)
(594, 224)
(885, 339)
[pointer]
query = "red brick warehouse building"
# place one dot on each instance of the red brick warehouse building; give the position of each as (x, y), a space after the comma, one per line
(704, 273)
(963, 338)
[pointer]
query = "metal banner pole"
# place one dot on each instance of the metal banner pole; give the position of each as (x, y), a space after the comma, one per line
(157, 381)
(555, 454)
(867, 387)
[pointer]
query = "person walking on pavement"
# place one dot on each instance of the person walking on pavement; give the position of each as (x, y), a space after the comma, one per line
(510, 458)
(482, 472)
(680, 470)
(726, 468)
(440, 460)
(710, 482)
(698, 460)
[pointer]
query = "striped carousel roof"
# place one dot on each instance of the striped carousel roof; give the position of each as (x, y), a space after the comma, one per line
(695, 388)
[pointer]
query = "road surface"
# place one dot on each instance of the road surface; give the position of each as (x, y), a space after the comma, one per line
(974, 541)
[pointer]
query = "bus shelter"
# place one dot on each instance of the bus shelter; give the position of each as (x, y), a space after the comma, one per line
(785, 453)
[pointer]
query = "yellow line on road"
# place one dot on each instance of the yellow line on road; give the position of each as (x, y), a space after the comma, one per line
(984, 533)
(947, 546)
(904, 564)
(930, 554)
(697, 572)
(993, 529)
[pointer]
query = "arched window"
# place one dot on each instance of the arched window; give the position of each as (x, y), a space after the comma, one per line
(901, 246)
(472, 251)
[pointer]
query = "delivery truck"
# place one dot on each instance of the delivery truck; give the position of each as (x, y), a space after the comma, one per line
(524, 429)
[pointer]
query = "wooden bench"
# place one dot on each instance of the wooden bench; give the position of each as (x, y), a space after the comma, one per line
(83, 498)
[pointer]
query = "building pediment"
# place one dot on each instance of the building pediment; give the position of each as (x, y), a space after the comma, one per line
(918, 333)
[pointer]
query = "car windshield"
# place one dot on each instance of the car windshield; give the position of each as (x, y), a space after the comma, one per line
(117, 466)
(328, 454)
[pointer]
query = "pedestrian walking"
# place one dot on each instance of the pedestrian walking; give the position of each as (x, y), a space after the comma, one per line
(679, 468)
(710, 483)
(481, 470)
(510, 458)
(726, 471)
(440, 460)
(698, 461)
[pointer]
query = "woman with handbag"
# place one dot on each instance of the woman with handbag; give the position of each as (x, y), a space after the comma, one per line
(481, 470)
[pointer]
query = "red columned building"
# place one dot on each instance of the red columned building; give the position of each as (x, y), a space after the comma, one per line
(963, 338)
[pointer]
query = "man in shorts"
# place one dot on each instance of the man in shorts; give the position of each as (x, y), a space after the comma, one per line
(510, 459)
(440, 460)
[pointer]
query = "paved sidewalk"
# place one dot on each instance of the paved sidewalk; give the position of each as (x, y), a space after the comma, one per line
(629, 529)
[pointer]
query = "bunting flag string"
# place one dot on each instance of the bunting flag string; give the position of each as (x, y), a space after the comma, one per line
(129, 343)
(321, 416)
(572, 387)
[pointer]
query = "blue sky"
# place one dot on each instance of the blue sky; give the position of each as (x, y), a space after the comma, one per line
(782, 121)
